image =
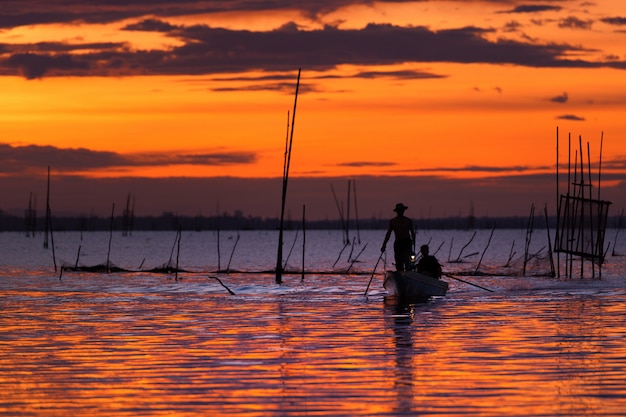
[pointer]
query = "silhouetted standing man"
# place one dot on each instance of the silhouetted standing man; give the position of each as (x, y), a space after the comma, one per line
(404, 233)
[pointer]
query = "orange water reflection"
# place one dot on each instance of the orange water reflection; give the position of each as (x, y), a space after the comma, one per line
(119, 353)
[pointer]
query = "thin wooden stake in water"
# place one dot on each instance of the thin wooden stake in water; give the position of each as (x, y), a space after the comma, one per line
(77, 257)
(108, 268)
(356, 213)
(303, 237)
(550, 252)
(279, 260)
(232, 252)
(484, 251)
(340, 210)
(47, 229)
(178, 252)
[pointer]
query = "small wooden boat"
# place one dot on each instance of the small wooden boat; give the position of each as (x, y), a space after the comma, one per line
(412, 284)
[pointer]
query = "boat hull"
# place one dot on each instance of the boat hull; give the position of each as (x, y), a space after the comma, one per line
(411, 284)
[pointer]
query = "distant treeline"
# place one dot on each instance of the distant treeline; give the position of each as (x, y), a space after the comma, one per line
(171, 221)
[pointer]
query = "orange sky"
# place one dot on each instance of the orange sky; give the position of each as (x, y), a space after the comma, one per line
(453, 89)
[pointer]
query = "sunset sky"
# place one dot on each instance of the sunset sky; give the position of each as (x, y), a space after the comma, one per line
(447, 106)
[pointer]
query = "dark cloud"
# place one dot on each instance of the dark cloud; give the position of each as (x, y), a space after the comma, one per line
(367, 164)
(533, 8)
(34, 66)
(400, 75)
(17, 159)
(14, 13)
(208, 50)
(560, 99)
(267, 82)
(575, 23)
(512, 26)
(484, 169)
(151, 25)
(617, 164)
(286, 87)
(572, 117)
(617, 21)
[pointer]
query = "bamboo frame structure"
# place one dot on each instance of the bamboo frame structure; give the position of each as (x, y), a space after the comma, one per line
(581, 218)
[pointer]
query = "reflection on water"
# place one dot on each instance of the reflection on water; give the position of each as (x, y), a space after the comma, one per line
(146, 344)
(112, 347)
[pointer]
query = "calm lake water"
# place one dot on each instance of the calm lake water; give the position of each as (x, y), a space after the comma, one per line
(141, 343)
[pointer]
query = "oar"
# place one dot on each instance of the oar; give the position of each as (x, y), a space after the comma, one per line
(467, 282)
(373, 272)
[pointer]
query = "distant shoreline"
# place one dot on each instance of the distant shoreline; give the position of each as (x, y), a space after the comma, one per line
(171, 221)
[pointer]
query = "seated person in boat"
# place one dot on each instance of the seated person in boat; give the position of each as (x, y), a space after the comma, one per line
(428, 264)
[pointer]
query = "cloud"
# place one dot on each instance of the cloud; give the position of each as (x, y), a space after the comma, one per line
(572, 117)
(151, 25)
(617, 21)
(575, 23)
(306, 87)
(20, 159)
(485, 169)
(400, 75)
(618, 164)
(560, 99)
(286, 87)
(533, 8)
(367, 164)
(17, 13)
(37, 65)
(202, 49)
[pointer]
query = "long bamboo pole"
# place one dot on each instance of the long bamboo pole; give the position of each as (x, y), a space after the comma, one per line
(279, 260)
(592, 238)
(600, 205)
(568, 208)
(581, 193)
(558, 209)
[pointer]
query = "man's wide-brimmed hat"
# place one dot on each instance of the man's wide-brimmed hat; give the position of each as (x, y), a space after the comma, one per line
(400, 207)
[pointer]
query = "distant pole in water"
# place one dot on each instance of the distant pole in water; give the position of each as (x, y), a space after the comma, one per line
(47, 227)
(178, 252)
(356, 213)
(108, 265)
(303, 237)
(340, 210)
(287, 161)
(348, 213)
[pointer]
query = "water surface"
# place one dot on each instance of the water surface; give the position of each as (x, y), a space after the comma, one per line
(138, 343)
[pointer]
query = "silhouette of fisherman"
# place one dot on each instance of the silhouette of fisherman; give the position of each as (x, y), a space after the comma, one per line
(404, 233)
(428, 264)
